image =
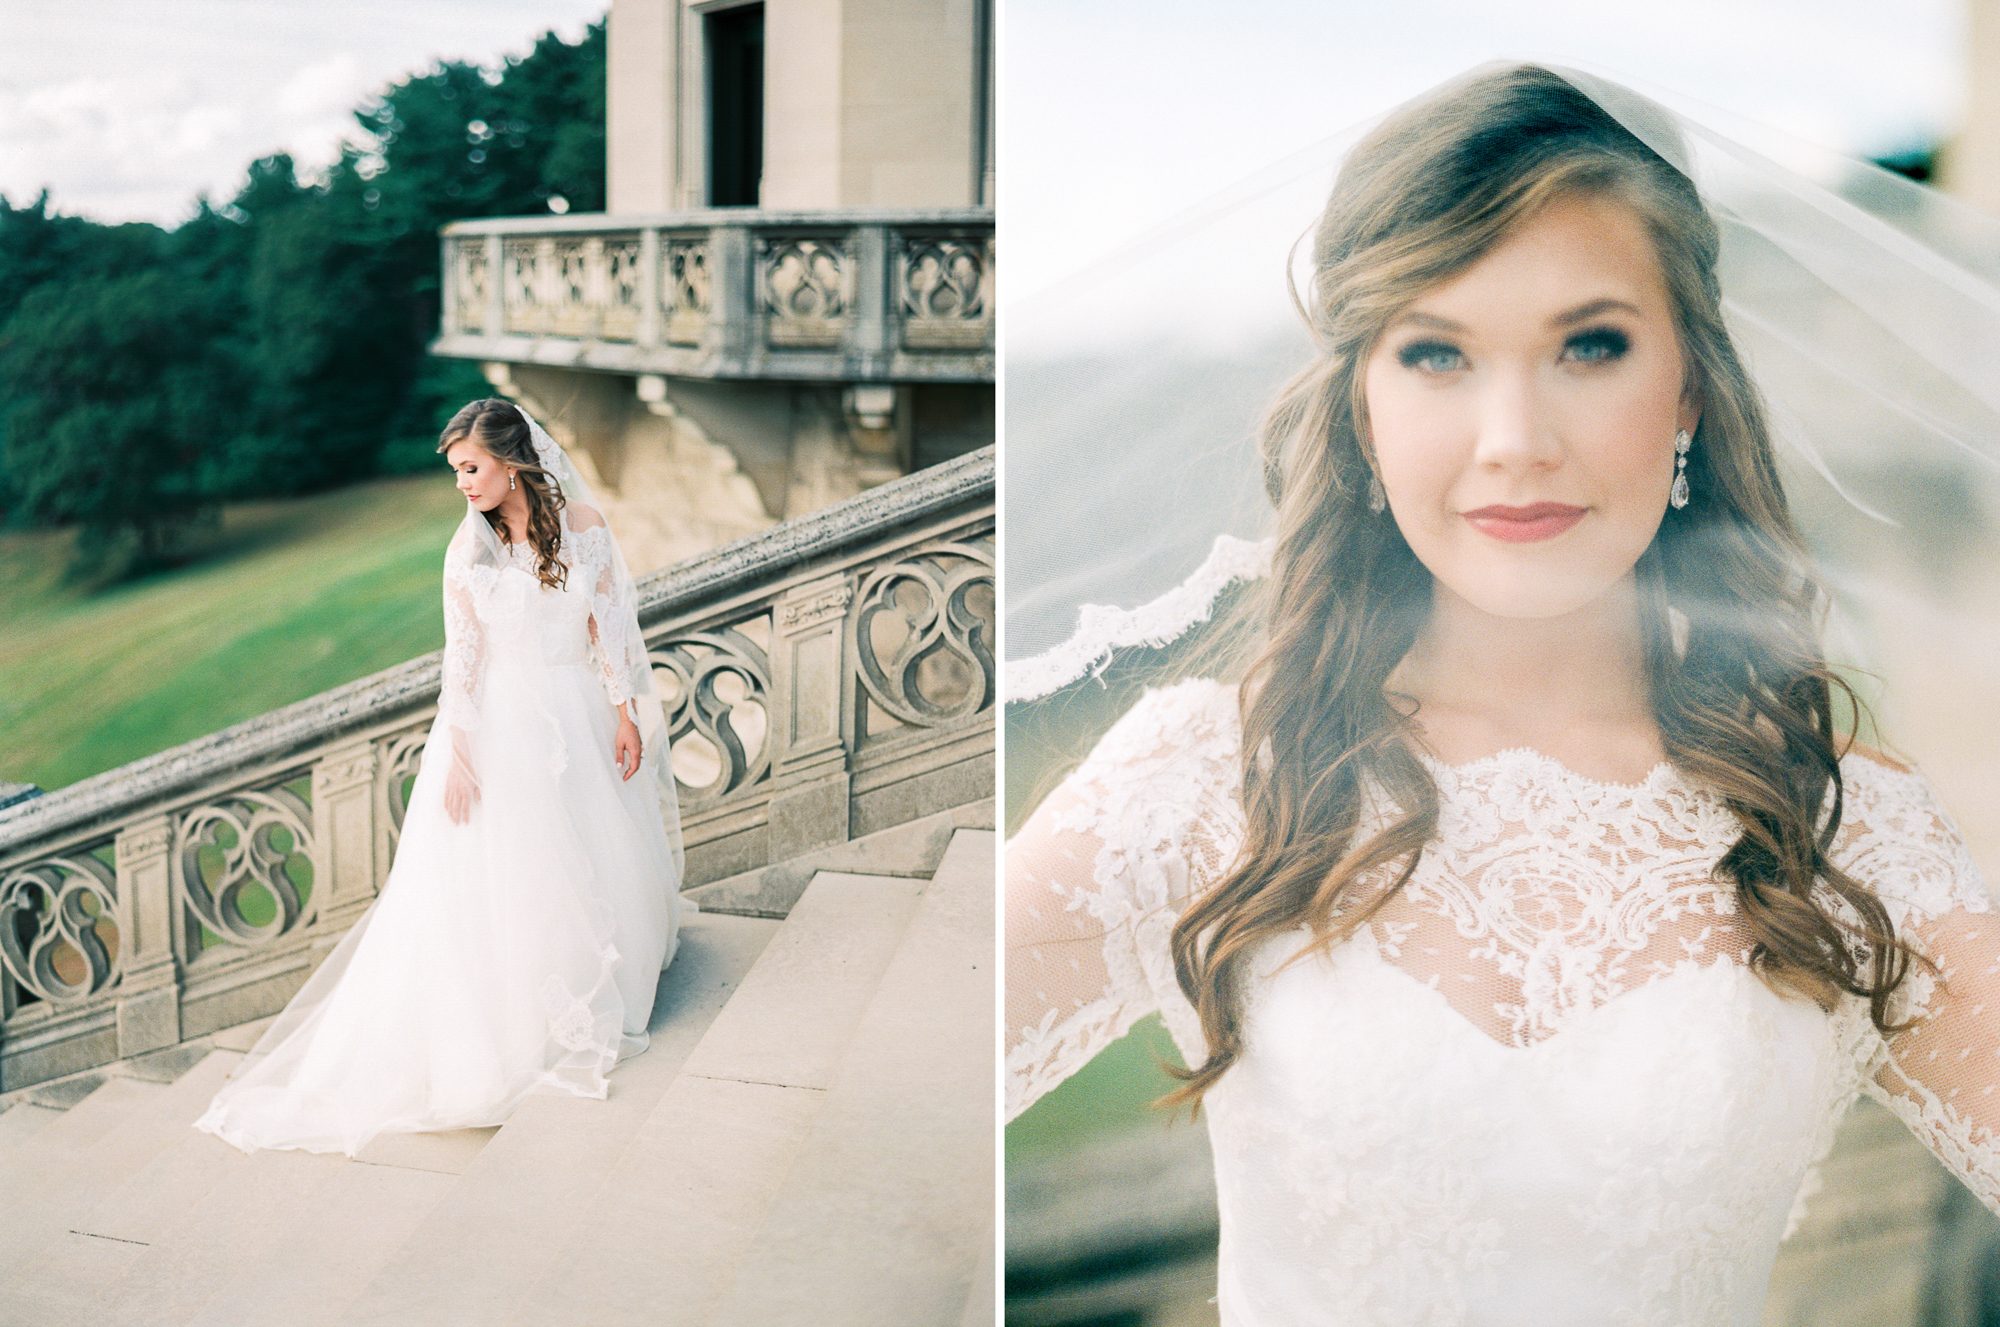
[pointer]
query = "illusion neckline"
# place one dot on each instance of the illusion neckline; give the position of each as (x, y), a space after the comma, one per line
(1661, 775)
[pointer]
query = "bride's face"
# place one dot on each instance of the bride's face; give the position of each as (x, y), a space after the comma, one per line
(482, 479)
(1523, 413)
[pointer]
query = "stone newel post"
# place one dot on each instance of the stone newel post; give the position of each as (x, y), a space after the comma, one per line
(149, 1010)
(809, 761)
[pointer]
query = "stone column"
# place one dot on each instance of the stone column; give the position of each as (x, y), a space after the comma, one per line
(649, 289)
(496, 287)
(448, 292)
(343, 795)
(735, 294)
(809, 800)
(149, 998)
(871, 332)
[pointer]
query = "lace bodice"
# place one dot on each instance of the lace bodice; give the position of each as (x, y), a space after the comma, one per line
(497, 613)
(501, 611)
(1539, 1080)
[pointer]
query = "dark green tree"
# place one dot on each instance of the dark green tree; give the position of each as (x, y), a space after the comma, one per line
(276, 343)
(114, 424)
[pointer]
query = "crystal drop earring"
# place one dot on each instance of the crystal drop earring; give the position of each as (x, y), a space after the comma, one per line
(1678, 495)
(1377, 499)
(510, 485)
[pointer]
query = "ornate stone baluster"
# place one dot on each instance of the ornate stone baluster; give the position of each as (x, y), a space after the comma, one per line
(50, 914)
(695, 667)
(942, 285)
(807, 285)
(936, 609)
(242, 828)
(685, 293)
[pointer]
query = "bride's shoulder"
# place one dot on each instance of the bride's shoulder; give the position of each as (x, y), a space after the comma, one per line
(1188, 724)
(582, 518)
(463, 550)
(1897, 836)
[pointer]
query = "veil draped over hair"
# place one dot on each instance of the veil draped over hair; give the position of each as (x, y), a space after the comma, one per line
(615, 606)
(1864, 305)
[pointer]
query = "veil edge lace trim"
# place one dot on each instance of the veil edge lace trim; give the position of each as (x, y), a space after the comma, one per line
(1102, 630)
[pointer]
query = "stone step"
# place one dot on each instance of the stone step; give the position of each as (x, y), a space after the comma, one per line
(323, 1253)
(73, 1165)
(913, 848)
(24, 1121)
(233, 1223)
(888, 1213)
(498, 1229)
(203, 1212)
(680, 1215)
(645, 1207)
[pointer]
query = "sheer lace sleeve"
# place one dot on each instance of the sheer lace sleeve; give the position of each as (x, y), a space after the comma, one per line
(464, 653)
(1941, 1075)
(612, 646)
(1097, 876)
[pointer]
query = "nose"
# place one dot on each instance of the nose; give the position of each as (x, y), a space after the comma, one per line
(1516, 427)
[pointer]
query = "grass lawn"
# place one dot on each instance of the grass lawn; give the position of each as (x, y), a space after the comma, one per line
(1111, 1094)
(287, 599)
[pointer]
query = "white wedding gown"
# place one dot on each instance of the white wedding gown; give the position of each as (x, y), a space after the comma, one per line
(1541, 1086)
(518, 951)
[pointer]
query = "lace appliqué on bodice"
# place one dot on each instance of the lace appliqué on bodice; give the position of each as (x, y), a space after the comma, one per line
(1546, 894)
(1547, 1046)
(506, 607)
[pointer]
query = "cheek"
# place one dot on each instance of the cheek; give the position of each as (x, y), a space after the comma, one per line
(1419, 433)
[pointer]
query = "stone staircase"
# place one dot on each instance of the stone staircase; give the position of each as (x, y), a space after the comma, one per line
(809, 1140)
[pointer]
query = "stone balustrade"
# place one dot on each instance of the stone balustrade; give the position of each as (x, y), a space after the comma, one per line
(852, 296)
(825, 679)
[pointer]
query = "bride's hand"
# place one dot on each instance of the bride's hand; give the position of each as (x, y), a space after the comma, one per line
(625, 750)
(461, 794)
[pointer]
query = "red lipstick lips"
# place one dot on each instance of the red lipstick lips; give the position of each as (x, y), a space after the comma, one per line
(1525, 525)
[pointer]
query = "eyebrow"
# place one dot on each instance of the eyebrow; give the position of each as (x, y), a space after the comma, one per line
(1581, 313)
(1585, 312)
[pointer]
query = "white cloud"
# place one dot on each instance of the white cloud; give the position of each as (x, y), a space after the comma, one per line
(325, 87)
(144, 137)
(179, 98)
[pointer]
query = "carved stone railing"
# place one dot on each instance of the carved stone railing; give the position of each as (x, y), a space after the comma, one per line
(850, 296)
(824, 679)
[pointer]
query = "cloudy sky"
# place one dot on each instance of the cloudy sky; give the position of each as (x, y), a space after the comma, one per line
(1120, 115)
(125, 110)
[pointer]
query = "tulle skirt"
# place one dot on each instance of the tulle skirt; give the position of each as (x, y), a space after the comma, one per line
(518, 952)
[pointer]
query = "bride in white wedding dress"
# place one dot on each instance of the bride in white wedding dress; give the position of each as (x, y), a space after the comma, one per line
(1526, 920)
(518, 941)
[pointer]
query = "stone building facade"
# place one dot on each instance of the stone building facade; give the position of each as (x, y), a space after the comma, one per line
(790, 297)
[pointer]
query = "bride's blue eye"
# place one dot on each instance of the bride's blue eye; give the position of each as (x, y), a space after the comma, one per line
(1597, 346)
(1431, 357)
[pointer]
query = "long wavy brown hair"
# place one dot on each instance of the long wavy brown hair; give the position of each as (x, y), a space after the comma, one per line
(501, 428)
(1745, 703)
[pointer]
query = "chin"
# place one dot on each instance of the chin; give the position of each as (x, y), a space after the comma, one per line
(1534, 598)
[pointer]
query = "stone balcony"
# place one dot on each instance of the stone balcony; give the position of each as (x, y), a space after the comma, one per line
(855, 296)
